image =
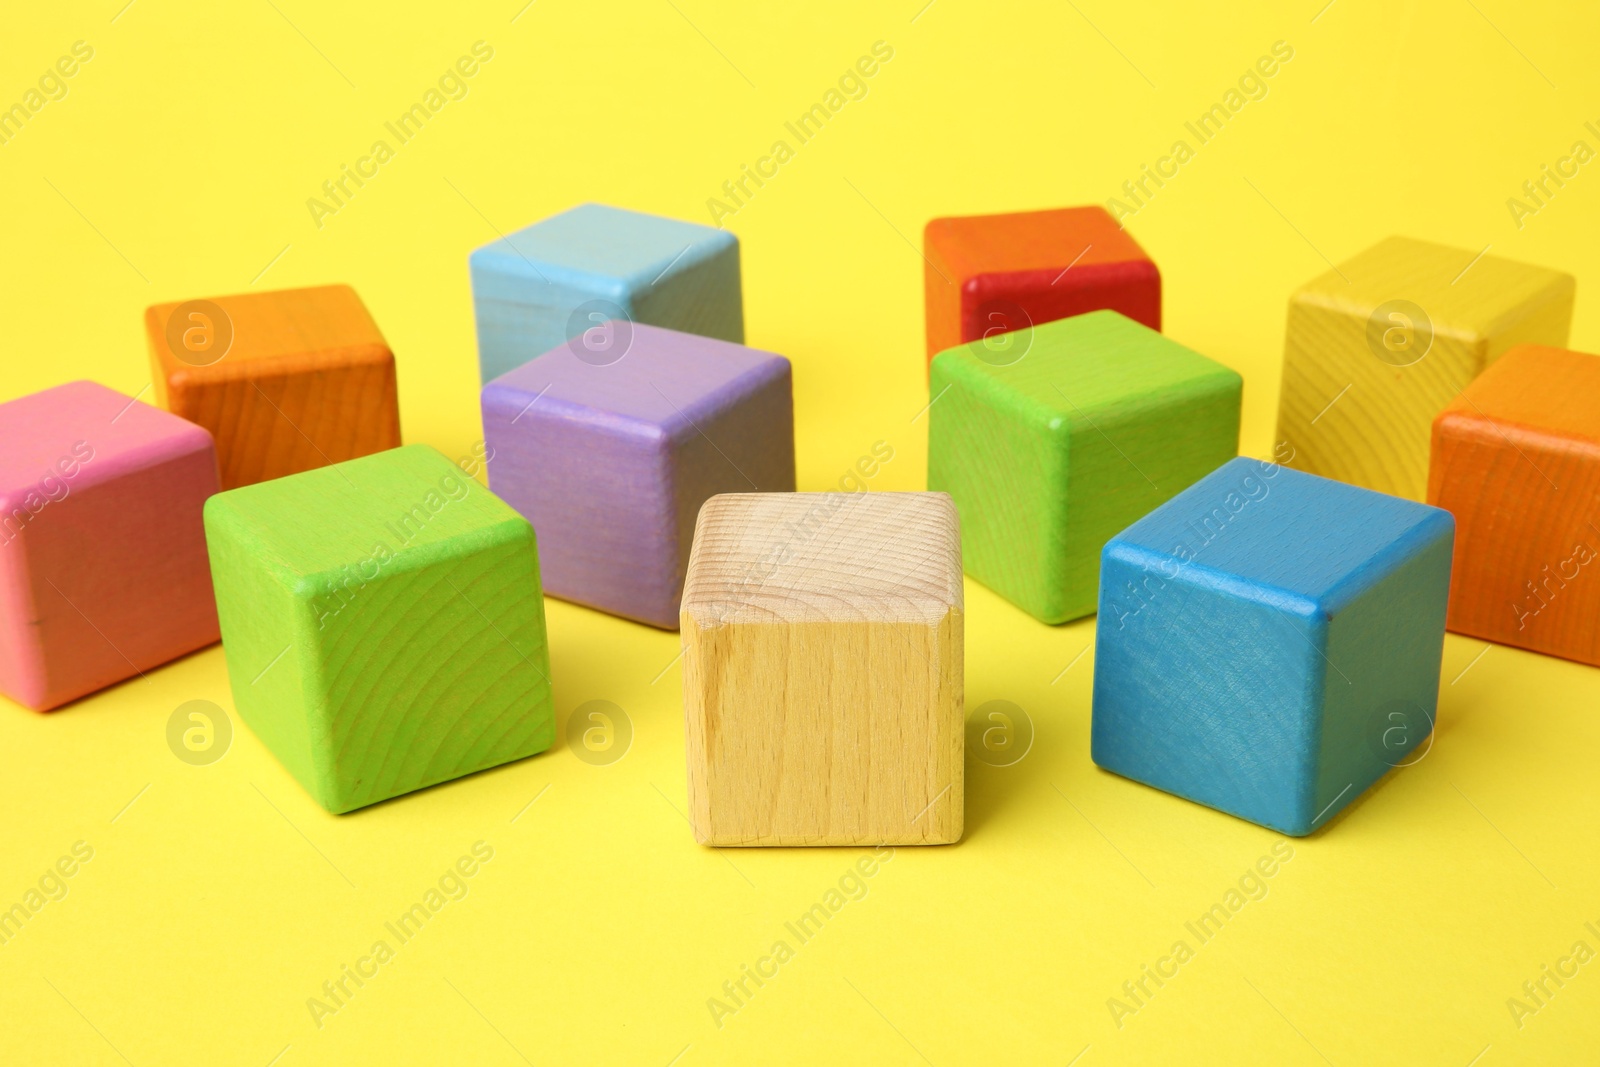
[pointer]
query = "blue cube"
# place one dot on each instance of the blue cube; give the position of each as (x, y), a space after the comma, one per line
(1269, 642)
(583, 275)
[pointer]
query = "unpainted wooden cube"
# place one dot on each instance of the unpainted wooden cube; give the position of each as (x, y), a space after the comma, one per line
(103, 572)
(1269, 643)
(383, 624)
(611, 461)
(1376, 347)
(562, 278)
(822, 638)
(986, 275)
(286, 381)
(1085, 426)
(1516, 460)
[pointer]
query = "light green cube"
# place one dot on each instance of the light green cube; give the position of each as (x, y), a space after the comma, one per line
(383, 624)
(1053, 439)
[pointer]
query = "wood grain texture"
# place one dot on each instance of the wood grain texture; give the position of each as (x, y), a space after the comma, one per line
(1269, 642)
(612, 462)
(1347, 410)
(1100, 420)
(1516, 459)
(543, 285)
(103, 571)
(383, 624)
(822, 638)
(1004, 272)
(307, 381)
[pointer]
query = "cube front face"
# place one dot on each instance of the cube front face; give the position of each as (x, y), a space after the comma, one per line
(285, 381)
(822, 639)
(1005, 272)
(543, 286)
(1046, 457)
(384, 633)
(1529, 424)
(1376, 349)
(103, 572)
(1269, 643)
(611, 463)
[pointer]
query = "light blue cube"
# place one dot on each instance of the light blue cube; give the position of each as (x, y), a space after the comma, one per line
(1269, 642)
(560, 280)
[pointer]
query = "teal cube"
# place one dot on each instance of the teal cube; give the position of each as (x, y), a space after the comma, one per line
(383, 624)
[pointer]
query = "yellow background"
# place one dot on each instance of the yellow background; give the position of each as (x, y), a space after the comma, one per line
(179, 165)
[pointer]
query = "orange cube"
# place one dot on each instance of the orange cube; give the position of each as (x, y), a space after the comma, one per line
(991, 274)
(1516, 459)
(285, 381)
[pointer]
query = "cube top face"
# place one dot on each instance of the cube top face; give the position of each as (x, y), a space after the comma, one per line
(321, 326)
(412, 500)
(1269, 643)
(1550, 391)
(1231, 527)
(824, 557)
(972, 245)
(1075, 371)
(97, 432)
(1470, 304)
(661, 387)
(593, 245)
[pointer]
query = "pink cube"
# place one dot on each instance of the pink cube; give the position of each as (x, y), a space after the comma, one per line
(103, 566)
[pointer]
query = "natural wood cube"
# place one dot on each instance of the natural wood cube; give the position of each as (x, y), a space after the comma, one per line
(103, 571)
(1516, 459)
(822, 638)
(285, 381)
(987, 275)
(1378, 346)
(383, 624)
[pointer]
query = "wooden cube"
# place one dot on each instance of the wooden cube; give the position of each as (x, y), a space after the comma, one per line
(1269, 643)
(1516, 460)
(822, 644)
(561, 279)
(1379, 345)
(1096, 421)
(383, 624)
(285, 381)
(103, 571)
(989, 274)
(612, 462)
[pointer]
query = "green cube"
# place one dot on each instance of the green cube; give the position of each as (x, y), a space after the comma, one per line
(1054, 438)
(383, 624)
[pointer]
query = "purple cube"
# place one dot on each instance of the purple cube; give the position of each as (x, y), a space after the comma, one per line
(610, 443)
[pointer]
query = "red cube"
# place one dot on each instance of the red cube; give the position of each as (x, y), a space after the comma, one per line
(990, 274)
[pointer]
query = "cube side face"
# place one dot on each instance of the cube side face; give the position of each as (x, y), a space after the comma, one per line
(520, 317)
(793, 739)
(1133, 458)
(274, 419)
(1381, 690)
(1131, 287)
(1523, 550)
(1206, 693)
(437, 668)
(1350, 415)
(700, 295)
(600, 493)
(1005, 464)
(941, 297)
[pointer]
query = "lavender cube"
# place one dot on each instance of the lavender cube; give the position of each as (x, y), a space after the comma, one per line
(610, 443)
